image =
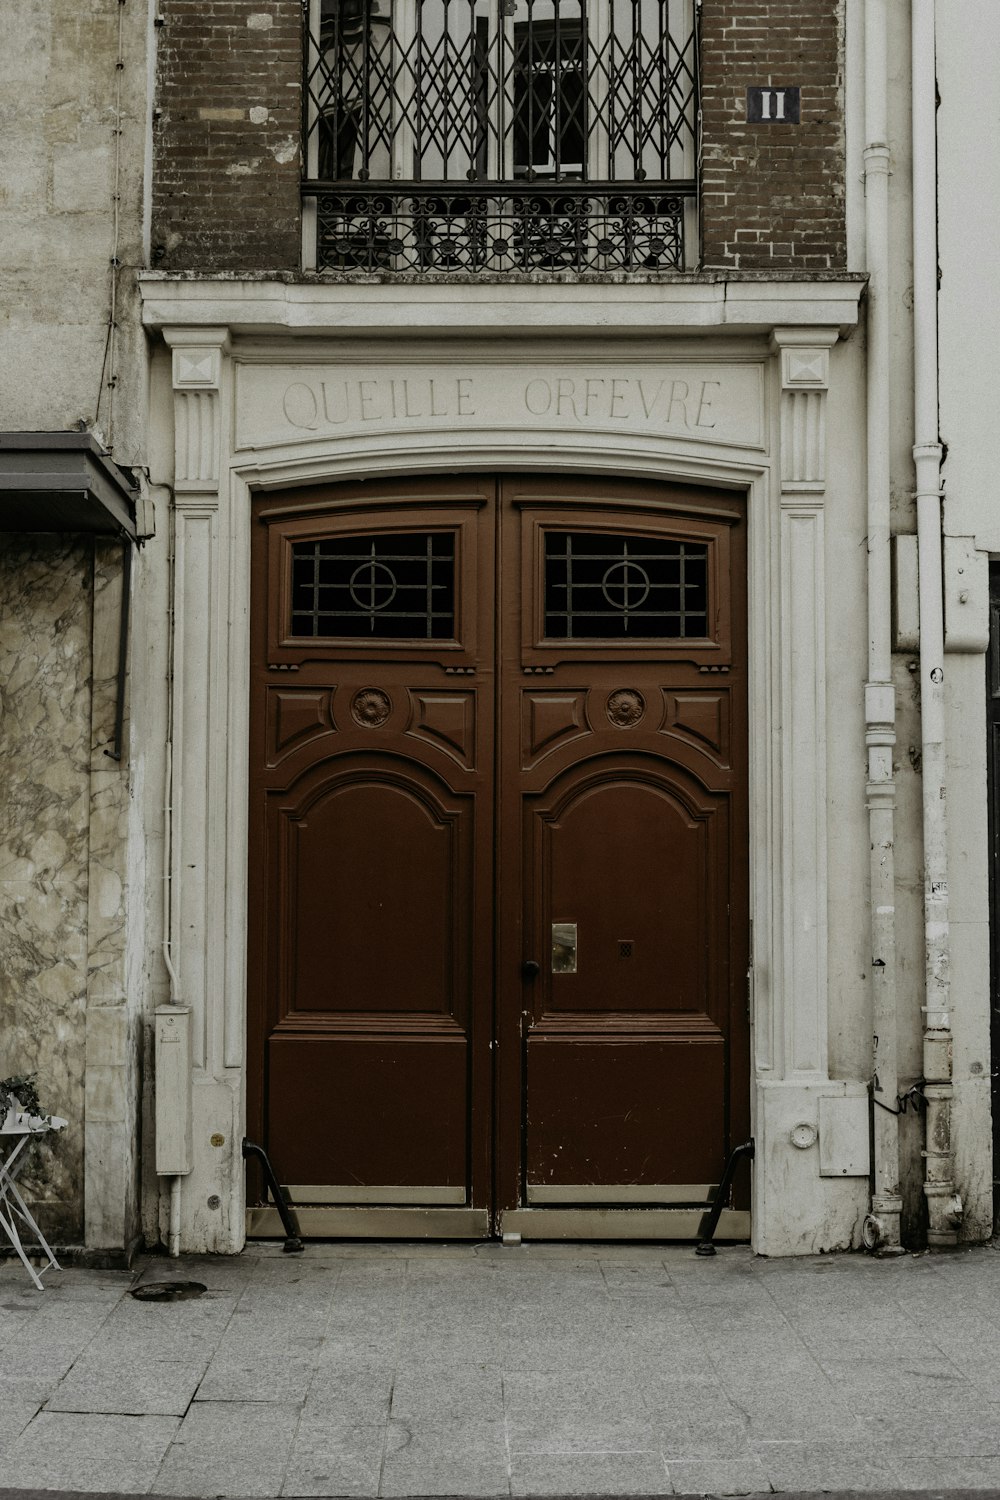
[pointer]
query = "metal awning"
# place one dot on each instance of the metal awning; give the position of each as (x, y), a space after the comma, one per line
(64, 481)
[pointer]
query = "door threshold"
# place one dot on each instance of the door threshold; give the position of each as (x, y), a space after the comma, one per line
(364, 1223)
(621, 1223)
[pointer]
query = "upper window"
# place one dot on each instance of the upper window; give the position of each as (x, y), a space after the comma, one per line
(500, 135)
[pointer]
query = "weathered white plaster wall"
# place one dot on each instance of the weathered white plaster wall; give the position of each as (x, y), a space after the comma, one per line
(969, 331)
(968, 234)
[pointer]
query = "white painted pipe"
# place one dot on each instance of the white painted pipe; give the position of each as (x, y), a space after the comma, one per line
(174, 1237)
(175, 984)
(882, 1228)
(944, 1207)
(174, 995)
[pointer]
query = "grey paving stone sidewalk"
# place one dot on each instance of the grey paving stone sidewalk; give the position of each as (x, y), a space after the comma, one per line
(381, 1370)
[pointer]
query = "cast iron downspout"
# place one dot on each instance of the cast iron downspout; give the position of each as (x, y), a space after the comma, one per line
(881, 1229)
(944, 1207)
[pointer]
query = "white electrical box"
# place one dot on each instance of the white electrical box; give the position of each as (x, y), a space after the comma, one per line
(966, 595)
(844, 1147)
(173, 1090)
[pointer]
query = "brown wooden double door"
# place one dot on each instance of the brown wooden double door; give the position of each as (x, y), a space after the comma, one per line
(498, 859)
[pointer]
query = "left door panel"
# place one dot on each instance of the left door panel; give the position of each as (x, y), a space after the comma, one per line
(371, 817)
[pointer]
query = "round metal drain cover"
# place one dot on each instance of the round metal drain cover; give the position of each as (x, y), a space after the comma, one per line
(168, 1291)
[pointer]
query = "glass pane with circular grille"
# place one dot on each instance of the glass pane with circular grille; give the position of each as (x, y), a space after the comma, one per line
(387, 587)
(600, 586)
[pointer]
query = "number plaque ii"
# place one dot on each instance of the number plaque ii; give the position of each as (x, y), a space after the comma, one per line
(773, 106)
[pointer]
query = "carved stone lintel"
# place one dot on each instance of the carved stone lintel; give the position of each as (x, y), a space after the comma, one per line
(197, 375)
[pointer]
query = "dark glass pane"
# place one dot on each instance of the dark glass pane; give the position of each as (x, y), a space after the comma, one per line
(602, 587)
(549, 99)
(396, 587)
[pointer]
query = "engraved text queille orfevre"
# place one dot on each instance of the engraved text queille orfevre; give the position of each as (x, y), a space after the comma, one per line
(666, 400)
(700, 401)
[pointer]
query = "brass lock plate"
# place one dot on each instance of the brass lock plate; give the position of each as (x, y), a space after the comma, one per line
(564, 947)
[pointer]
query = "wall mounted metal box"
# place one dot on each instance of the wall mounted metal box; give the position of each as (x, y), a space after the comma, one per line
(173, 1090)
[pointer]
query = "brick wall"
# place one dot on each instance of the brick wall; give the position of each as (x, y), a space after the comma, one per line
(227, 156)
(226, 139)
(772, 195)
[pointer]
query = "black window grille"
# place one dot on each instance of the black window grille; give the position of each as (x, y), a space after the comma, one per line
(391, 587)
(603, 587)
(500, 135)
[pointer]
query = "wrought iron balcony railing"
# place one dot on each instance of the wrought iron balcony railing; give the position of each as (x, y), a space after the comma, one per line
(499, 136)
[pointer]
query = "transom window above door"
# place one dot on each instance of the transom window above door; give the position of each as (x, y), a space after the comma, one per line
(386, 587)
(606, 587)
(500, 136)
(600, 589)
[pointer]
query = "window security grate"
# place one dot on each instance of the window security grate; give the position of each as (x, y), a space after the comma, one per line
(500, 135)
(397, 587)
(600, 587)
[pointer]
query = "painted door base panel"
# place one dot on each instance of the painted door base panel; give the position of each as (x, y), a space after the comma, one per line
(350, 1193)
(688, 1193)
(621, 1223)
(373, 1223)
(473, 1223)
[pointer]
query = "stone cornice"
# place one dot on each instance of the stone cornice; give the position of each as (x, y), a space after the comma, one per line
(702, 304)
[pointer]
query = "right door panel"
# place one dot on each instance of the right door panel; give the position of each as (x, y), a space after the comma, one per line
(623, 842)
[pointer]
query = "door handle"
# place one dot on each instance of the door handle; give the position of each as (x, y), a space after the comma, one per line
(530, 969)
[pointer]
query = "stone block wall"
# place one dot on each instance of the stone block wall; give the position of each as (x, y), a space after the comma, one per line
(226, 136)
(772, 194)
(71, 199)
(74, 77)
(46, 599)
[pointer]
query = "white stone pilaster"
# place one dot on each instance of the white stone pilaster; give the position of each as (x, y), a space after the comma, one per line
(800, 1205)
(804, 356)
(200, 780)
(198, 640)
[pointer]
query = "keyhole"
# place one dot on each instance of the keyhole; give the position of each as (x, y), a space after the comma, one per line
(625, 946)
